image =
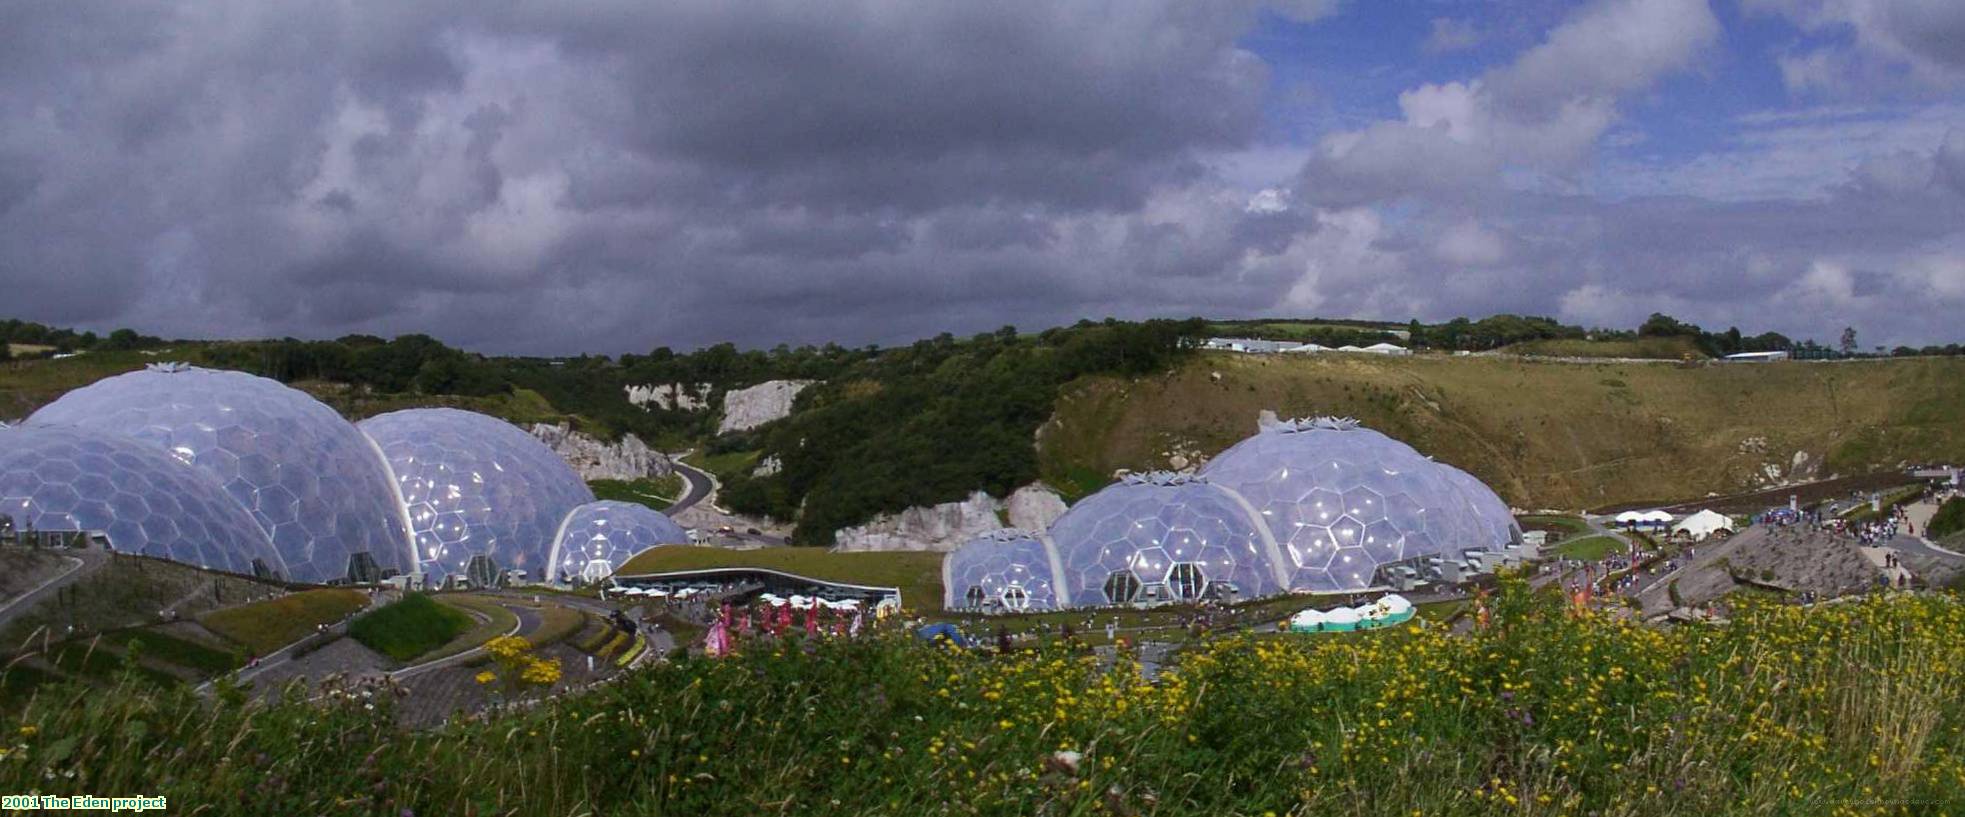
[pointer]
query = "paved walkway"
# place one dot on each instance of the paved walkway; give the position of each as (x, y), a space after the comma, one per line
(284, 654)
(87, 561)
(528, 620)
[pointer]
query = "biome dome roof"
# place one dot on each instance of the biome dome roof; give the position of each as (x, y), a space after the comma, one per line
(310, 480)
(1169, 534)
(1342, 500)
(144, 500)
(597, 538)
(1005, 569)
(476, 485)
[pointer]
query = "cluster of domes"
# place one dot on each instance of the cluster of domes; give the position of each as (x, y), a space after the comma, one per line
(1320, 505)
(237, 472)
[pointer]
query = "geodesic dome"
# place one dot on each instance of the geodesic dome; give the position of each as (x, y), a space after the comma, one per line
(1164, 537)
(598, 537)
(1342, 501)
(310, 480)
(1004, 569)
(1497, 522)
(476, 485)
(60, 478)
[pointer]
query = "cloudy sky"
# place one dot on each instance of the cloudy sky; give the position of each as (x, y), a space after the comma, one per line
(612, 176)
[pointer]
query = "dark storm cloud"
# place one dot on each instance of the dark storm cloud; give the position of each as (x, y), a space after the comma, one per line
(610, 176)
(244, 168)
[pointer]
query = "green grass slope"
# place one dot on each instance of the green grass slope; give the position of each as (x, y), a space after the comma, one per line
(409, 628)
(265, 626)
(128, 591)
(1544, 434)
(1675, 347)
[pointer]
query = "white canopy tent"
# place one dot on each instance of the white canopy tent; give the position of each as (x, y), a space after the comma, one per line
(1704, 523)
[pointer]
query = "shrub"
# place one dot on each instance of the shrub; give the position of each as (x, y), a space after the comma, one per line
(408, 628)
(1949, 519)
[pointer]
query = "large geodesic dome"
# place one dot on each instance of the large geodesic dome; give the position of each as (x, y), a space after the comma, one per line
(1343, 501)
(597, 538)
(1006, 569)
(1167, 537)
(142, 499)
(476, 485)
(310, 480)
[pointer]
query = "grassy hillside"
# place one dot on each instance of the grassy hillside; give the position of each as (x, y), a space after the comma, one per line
(128, 591)
(1544, 434)
(265, 626)
(26, 385)
(1648, 348)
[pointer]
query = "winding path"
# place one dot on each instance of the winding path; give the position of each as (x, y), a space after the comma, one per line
(87, 561)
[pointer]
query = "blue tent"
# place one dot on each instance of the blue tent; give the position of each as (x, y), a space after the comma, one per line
(944, 630)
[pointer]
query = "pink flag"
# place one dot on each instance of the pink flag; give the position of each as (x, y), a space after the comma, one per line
(717, 641)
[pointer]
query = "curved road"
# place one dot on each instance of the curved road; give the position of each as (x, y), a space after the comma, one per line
(87, 561)
(698, 482)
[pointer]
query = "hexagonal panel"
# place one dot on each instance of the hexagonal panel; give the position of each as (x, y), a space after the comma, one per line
(994, 567)
(1330, 490)
(477, 486)
(598, 537)
(246, 431)
(1147, 524)
(49, 482)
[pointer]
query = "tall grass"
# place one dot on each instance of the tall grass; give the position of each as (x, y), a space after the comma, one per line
(1842, 709)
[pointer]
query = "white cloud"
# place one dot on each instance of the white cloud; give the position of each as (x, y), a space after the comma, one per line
(1918, 43)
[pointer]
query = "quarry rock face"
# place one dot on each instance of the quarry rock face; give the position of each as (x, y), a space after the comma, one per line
(941, 527)
(1033, 507)
(767, 467)
(593, 459)
(748, 408)
(676, 396)
(947, 526)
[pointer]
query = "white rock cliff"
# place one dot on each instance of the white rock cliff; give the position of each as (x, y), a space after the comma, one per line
(946, 526)
(748, 408)
(592, 459)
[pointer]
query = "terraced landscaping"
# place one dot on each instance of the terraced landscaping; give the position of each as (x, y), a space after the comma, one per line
(409, 628)
(265, 626)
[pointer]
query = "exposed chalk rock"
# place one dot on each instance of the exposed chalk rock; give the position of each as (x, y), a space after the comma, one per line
(748, 408)
(593, 459)
(679, 396)
(1033, 507)
(941, 527)
(947, 526)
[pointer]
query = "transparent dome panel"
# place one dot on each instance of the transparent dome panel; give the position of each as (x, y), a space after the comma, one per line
(61, 478)
(475, 485)
(1007, 570)
(598, 537)
(1180, 533)
(310, 480)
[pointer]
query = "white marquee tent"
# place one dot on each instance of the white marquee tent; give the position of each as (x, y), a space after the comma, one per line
(1703, 524)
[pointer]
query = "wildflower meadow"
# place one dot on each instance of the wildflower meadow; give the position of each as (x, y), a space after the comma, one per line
(1848, 708)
